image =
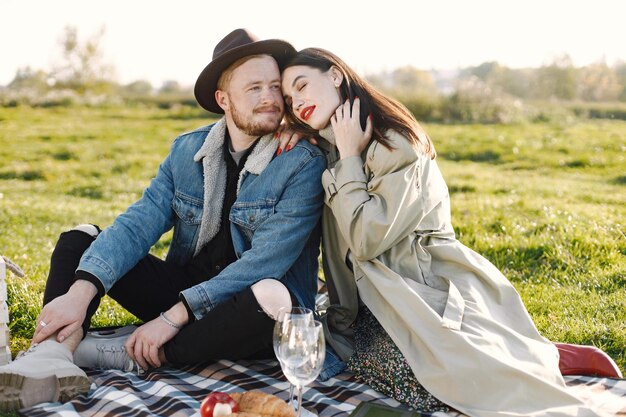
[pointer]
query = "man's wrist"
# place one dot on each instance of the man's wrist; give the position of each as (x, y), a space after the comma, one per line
(83, 289)
(82, 292)
(178, 314)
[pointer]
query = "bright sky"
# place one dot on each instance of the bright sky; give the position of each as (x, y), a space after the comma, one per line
(160, 40)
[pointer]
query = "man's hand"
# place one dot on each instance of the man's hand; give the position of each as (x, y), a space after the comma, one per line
(65, 313)
(144, 344)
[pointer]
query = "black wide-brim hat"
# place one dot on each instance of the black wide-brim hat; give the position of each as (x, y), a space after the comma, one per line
(237, 44)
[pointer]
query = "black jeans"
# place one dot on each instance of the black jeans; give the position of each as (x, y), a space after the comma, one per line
(235, 329)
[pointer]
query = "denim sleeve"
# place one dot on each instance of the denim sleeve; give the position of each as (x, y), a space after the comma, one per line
(276, 244)
(119, 247)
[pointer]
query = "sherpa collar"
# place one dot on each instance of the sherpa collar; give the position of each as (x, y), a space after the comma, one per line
(214, 169)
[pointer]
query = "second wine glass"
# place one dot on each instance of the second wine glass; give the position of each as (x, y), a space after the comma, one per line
(301, 353)
(296, 315)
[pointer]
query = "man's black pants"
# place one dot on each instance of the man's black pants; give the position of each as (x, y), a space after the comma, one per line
(235, 329)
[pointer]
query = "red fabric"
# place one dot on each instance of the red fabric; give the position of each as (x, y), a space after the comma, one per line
(586, 360)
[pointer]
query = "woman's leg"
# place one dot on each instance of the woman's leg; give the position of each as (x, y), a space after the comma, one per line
(378, 361)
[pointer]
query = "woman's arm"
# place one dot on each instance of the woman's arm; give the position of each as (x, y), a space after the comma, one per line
(377, 208)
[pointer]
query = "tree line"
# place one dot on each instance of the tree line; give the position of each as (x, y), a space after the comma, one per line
(489, 92)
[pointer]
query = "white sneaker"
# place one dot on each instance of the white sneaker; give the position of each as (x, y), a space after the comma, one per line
(45, 372)
(104, 349)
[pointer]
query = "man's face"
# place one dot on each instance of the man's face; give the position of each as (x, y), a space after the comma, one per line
(254, 99)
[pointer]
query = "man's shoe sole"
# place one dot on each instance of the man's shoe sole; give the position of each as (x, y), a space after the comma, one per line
(18, 391)
(73, 386)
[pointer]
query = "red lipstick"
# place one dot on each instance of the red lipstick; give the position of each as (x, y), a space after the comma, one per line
(306, 112)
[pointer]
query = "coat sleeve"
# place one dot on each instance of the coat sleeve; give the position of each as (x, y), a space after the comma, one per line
(283, 235)
(120, 246)
(382, 201)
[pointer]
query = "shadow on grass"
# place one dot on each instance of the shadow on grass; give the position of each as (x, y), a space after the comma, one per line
(612, 283)
(30, 175)
(485, 156)
(621, 180)
(461, 189)
(64, 155)
(525, 260)
(94, 193)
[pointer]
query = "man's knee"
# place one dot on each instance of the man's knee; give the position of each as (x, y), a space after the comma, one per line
(90, 229)
(271, 295)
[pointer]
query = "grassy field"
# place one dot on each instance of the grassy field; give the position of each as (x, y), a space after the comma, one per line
(546, 203)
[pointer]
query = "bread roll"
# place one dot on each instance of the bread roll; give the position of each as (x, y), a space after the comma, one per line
(260, 404)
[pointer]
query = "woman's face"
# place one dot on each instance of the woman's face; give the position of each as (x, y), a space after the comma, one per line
(311, 94)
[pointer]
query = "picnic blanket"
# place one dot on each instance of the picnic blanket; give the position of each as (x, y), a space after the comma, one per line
(174, 392)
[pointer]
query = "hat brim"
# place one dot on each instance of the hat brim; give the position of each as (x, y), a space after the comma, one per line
(206, 85)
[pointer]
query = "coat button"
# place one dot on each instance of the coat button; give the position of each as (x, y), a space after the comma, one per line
(251, 218)
(217, 267)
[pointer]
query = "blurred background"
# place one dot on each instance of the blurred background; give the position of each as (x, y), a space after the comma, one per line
(478, 61)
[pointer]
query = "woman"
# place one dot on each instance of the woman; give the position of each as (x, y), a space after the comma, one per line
(433, 310)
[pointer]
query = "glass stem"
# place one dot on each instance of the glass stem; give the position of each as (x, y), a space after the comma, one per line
(299, 401)
(290, 393)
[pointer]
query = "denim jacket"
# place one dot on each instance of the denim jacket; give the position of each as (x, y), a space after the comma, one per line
(274, 221)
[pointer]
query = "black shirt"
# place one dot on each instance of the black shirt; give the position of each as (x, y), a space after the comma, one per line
(219, 252)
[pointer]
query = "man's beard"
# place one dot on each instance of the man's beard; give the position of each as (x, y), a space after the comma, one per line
(250, 127)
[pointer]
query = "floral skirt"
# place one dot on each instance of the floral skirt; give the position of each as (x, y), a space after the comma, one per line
(380, 364)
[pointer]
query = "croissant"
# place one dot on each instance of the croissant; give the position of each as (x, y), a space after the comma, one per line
(261, 404)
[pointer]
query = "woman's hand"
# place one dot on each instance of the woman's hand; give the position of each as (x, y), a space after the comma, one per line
(351, 139)
(288, 138)
(144, 344)
(66, 313)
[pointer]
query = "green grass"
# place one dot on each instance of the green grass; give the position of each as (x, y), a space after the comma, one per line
(546, 203)
(60, 167)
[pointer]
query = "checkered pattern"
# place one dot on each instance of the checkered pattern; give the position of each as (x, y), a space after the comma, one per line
(178, 392)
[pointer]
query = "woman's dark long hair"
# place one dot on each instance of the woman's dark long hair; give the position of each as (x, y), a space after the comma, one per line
(387, 113)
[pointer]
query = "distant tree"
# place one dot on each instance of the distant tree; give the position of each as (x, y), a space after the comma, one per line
(484, 71)
(410, 81)
(620, 73)
(27, 78)
(476, 101)
(557, 80)
(82, 67)
(514, 81)
(171, 87)
(499, 77)
(598, 82)
(379, 80)
(404, 82)
(138, 88)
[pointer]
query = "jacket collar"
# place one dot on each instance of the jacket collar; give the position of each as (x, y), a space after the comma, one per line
(214, 169)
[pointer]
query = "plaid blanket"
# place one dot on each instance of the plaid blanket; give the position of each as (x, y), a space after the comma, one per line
(178, 392)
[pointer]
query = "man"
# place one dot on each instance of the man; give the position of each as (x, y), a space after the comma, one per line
(245, 241)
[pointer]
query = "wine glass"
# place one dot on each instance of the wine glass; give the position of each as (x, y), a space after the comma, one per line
(301, 353)
(301, 315)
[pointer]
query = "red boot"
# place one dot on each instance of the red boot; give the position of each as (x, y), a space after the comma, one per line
(586, 360)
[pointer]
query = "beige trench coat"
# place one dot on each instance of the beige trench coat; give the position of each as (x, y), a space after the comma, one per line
(458, 321)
